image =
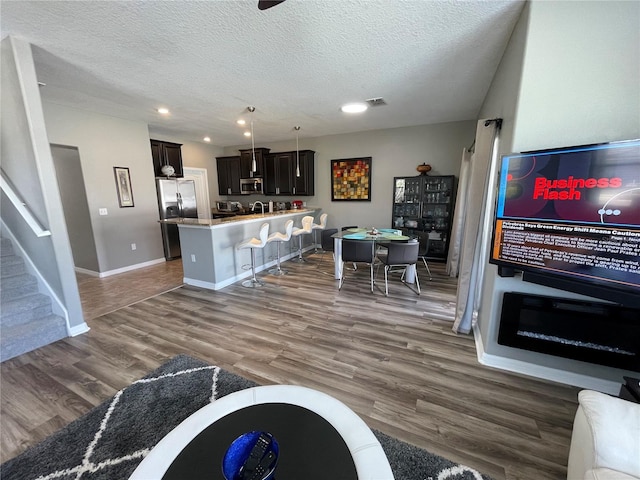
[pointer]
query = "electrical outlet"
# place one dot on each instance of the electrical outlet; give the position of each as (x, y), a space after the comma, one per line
(133, 246)
(103, 211)
(193, 257)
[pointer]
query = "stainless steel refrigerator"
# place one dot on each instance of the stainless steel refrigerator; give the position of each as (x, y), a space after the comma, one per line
(176, 199)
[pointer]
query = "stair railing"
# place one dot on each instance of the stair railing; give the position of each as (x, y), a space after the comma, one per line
(21, 207)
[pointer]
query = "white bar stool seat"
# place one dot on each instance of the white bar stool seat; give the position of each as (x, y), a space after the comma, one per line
(307, 222)
(280, 237)
(254, 243)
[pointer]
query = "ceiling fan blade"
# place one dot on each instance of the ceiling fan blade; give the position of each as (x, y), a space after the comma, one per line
(264, 4)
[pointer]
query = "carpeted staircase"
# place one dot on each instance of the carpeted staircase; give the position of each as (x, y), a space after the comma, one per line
(26, 319)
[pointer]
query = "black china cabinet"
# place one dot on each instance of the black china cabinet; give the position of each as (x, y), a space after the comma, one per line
(423, 208)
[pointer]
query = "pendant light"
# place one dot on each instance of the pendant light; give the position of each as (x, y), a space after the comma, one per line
(297, 129)
(253, 144)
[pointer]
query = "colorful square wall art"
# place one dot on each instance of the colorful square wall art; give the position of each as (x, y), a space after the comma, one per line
(351, 179)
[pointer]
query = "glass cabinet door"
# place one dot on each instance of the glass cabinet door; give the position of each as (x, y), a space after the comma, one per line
(406, 202)
(398, 193)
(437, 212)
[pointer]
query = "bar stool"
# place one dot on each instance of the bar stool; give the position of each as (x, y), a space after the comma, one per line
(319, 227)
(280, 237)
(307, 221)
(254, 243)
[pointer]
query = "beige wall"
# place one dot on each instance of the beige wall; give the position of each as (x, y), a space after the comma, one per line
(105, 142)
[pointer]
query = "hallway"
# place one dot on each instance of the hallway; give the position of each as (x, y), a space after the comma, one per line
(103, 295)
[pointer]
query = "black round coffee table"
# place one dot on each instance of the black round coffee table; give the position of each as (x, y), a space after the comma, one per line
(319, 438)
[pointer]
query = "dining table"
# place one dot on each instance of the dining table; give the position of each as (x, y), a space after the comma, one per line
(379, 236)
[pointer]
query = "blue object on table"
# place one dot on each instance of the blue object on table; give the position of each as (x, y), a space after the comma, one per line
(251, 456)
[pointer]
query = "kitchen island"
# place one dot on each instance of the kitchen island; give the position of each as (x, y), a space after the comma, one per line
(209, 255)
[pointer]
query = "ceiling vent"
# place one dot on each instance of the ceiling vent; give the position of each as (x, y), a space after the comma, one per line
(376, 102)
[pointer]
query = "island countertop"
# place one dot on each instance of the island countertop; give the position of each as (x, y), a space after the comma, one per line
(210, 257)
(253, 217)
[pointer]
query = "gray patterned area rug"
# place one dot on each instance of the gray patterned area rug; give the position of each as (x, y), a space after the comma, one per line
(110, 441)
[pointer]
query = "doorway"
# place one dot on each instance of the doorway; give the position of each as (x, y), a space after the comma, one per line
(75, 205)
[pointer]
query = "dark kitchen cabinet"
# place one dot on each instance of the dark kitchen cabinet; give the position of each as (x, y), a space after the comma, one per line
(278, 174)
(423, 207)
(305, 183)
(228, 175)
(166, 153)
(281, 170)
(246, 158)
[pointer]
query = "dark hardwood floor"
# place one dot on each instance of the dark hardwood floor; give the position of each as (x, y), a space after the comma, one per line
(394, 360)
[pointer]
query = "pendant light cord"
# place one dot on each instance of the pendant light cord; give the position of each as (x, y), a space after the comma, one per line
(297, 128)
(253, 145)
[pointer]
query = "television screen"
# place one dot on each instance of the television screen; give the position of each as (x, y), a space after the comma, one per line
(570, 218)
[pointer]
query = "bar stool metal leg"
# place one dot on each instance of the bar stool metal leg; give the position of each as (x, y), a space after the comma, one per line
(278, 271)
(253, 281)
(299, 258)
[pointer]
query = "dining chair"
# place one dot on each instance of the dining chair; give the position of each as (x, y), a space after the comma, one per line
(357, 251)
(327, 243)
(355, 267)
(400, 254)
(422, 255)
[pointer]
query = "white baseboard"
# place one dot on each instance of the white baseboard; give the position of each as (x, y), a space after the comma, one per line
(230, 281)
(86, 272)
(201, 283)
(78, 329)
(131, 267)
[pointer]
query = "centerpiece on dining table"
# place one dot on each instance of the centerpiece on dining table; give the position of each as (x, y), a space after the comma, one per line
(373, 232)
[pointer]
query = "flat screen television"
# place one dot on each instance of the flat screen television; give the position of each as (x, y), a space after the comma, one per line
(569, 218)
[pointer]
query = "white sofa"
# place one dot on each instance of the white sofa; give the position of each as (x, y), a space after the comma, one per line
(605, 442)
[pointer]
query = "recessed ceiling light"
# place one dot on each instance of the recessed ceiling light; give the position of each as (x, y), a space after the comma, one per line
(247, 134)
(241, 122)
(207, 139)
(163, 111)
(354, 107)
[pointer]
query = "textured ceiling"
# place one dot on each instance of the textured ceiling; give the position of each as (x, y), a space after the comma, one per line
(432, 61)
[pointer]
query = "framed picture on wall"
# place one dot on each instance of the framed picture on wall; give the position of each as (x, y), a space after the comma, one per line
(123, 186)
(351, 179)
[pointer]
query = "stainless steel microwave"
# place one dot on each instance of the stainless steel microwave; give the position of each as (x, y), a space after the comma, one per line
(250, 185)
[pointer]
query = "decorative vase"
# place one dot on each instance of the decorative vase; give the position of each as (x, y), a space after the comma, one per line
(424, 169)
(167, 170)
